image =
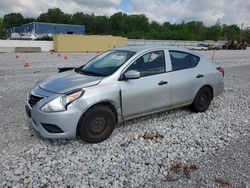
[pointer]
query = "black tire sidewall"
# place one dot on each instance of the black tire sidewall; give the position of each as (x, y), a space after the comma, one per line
(196, 107)
(87, 116)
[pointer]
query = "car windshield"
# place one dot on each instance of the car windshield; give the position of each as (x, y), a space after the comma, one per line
(106, 63)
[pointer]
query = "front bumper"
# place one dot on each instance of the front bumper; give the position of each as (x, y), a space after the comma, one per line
(67, 121)
(28, 110)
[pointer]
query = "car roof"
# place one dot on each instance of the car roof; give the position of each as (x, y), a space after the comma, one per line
(139, 49)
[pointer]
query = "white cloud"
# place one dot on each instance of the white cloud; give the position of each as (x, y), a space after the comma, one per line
(208, 11)
(98, 3)
(33, 8)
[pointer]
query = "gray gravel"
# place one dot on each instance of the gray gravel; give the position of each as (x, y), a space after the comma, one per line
(215, 142)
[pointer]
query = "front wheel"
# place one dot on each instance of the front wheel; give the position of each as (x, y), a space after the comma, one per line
(202, 100)
(97, 124)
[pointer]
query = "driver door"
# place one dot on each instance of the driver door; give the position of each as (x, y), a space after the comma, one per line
(149, 93)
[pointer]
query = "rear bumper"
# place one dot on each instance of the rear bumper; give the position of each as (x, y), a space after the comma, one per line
(218, 89)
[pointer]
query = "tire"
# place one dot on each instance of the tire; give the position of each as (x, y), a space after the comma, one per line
(97, 124)
(202, 100)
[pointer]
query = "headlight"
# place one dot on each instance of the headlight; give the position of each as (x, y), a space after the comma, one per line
(60, 103)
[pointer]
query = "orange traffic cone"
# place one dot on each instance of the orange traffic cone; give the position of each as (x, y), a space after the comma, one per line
(65, 57)
(26, 63)
(17, 56)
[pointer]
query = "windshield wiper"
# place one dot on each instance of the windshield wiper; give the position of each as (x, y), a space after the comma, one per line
(63, 69)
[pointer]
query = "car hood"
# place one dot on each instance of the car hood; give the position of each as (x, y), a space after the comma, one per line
(67, 81)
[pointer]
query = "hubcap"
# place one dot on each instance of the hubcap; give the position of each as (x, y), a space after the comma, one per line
(202, 100)
(97, 125)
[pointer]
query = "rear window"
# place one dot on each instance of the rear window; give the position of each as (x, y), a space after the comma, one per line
(182, 60)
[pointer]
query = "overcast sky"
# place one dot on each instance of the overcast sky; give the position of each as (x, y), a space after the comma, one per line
(174, 11)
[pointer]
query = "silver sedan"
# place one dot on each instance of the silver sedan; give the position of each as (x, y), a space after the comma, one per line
(121, 84)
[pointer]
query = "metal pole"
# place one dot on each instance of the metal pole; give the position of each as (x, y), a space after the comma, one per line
(241, 31)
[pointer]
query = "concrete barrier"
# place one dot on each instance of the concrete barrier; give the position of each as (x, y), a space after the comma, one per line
(27, 49)
(7, 49)
(8, 45)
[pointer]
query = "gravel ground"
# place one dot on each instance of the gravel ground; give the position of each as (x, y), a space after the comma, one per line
(180, 149)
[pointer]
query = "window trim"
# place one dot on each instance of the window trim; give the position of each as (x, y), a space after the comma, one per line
(185, 53)
(164, 64)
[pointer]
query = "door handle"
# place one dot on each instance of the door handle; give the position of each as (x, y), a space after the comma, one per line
(199, 76)
(162, 83)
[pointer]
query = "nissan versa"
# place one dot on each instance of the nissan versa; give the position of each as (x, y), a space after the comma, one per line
(121, 84)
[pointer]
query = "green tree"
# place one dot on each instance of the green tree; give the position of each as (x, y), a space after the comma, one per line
(2, 29)
(246, 35)
(28, 20)
(54, 15)
(118, 24)
(230, 32)
(87, 20)
(136, 26)
(196, 30)
(154, 30)
(213, 32)
(13, 20)
(100, 25)
(132, 26)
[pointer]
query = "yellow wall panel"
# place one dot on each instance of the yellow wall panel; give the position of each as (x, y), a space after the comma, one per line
(87, 43)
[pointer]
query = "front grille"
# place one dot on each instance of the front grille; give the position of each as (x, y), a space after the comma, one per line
(33, 100)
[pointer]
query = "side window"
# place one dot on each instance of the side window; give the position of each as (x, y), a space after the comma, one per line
(182, 60)
(149, 64)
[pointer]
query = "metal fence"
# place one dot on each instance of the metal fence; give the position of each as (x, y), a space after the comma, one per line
(180, 43)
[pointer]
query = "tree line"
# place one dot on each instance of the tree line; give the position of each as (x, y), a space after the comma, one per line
(131, 26)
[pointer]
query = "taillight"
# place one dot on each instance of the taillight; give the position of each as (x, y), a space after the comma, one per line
(221, 70)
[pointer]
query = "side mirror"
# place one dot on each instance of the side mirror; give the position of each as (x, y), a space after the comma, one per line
(132, 74)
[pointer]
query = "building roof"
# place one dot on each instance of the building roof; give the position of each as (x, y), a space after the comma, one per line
(46, 23)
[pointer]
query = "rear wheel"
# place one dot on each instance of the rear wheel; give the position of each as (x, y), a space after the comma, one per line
(97, 124)
(202, 100)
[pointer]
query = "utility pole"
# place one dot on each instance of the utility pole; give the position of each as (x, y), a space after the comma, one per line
(241, 31)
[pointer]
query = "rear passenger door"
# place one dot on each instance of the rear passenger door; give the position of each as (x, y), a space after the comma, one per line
(183, 76)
